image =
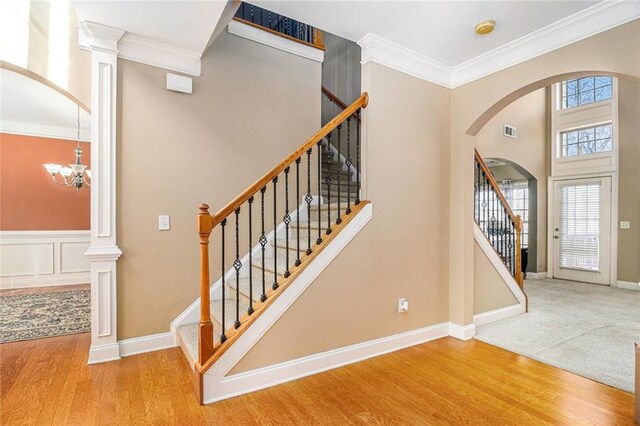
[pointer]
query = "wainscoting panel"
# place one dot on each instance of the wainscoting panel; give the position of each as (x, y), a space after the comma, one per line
(43, 258)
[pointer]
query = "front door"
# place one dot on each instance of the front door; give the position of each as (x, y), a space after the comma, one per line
(582, 230)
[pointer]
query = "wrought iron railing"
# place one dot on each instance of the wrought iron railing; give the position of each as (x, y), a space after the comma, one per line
(279, 24)
(275, 238)
(497, 221)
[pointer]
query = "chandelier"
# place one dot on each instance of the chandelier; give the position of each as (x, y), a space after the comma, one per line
(77, 174)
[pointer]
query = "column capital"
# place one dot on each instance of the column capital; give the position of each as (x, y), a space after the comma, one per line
(99, 37)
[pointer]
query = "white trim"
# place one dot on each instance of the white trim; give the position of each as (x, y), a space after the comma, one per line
(43, 258)
(498, 314)
(462, 332)
(392, 55)
(497, 263)
(537, 275)
(143, 344)
(264, 37)
(44, 131)
(215, 387)
(588, 22)
(103, 353)
(138, 49)
(628, 285)
(272, 375)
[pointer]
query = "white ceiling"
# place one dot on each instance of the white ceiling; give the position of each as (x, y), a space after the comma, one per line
(30, 107)
(440, 30)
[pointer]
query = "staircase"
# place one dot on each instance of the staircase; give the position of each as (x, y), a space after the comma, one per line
(280, 224)
(497, 222)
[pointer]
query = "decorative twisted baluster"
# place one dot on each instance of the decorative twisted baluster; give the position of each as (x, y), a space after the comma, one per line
(308, 198)
(263, 243)
(339, 219)
(359, 167)
(237, 265)
(328, 182)
(287, 220)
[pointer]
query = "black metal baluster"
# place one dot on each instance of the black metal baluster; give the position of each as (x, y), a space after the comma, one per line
(359, 169)
(275, 241)
(287, 220)
(263, 243)
(348, 164)
(319, 240)
(250, 310)
(338, 219)
(223, 336)
(484, 205)
(237, 265)
(328, 182)
(308, 199)
(298, 261)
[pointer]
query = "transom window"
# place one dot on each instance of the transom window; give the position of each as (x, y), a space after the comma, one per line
(586, 90)
(589, 140)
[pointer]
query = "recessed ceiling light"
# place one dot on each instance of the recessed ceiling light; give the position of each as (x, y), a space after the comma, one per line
(485, 27)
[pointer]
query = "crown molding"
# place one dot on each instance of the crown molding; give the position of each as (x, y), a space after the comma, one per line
(591, 21)
(94, 36)
(150, 52)
(588, 22)
(392, 55)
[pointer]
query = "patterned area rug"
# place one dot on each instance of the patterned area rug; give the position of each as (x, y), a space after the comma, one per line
(33, 316)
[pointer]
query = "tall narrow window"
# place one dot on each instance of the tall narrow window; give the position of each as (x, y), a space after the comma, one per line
(517, 195)
(14, 31)
(58, 64)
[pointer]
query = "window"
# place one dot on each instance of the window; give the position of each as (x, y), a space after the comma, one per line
(589, 140)
(580, 227)
(586, 90)
(517, 195)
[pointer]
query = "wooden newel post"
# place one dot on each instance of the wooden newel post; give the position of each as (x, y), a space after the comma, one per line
(519, 276)
(205, 329)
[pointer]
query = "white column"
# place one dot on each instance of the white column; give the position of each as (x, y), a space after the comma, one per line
(103, 252)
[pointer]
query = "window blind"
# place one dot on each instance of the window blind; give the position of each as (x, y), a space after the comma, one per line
(580, 227)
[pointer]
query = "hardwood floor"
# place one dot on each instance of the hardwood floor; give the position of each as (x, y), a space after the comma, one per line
(446, 381)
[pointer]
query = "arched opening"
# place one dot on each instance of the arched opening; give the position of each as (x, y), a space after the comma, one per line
(562, 308)
(44, 208)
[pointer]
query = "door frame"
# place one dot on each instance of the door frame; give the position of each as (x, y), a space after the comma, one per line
(613, 252)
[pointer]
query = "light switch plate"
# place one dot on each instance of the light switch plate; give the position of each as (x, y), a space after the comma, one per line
(625, 224)
(164, 223)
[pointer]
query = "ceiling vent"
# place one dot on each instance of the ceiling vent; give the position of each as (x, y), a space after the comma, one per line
(510, 131)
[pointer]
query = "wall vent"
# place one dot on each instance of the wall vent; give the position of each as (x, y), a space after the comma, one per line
(510, 131)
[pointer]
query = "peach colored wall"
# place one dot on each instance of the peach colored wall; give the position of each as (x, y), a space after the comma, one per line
(29, 199)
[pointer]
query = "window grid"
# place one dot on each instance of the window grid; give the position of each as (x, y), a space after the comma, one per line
(588, 140)
(586, 90)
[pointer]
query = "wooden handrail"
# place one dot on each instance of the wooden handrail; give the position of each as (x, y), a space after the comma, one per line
(361, 102)
(317, 37)
(336, 100)
(515, 219)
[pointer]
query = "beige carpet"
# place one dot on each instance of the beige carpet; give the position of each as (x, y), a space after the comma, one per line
(587, 329)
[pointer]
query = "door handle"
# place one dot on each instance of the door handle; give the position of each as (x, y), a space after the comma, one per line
(557, 229)
(556, 237)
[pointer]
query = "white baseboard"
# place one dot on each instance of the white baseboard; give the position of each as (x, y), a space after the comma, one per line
(153, 342)
(498, 314)
(628, 285)
(462, 332)
(104, 353)
(536, 275)
(272, 375)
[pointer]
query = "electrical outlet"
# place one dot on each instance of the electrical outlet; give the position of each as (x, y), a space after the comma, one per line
(625, 224)
(403, 306)
(164, 223)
